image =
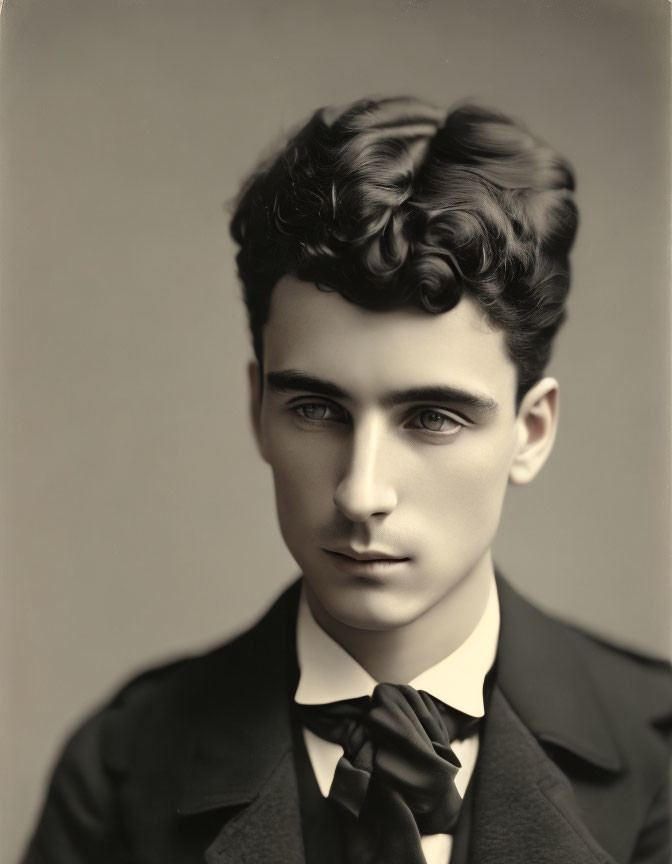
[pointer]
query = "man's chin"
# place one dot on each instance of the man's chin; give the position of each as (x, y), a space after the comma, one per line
(366, 609)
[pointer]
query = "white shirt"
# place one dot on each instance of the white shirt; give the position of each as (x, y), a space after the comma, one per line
(329, 674)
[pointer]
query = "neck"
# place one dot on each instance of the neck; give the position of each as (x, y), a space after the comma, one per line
(398, 655)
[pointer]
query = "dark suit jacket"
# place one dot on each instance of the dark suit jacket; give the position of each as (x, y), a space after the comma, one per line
(193, 761)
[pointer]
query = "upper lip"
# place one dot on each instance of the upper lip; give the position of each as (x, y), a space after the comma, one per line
(367, 554)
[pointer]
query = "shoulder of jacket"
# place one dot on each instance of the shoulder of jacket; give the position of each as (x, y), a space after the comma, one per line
(177, 679)
(629, 677)
(633, 689)
(628, 682)
(174, 692)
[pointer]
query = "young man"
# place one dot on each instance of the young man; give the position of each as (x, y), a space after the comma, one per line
(405, 273)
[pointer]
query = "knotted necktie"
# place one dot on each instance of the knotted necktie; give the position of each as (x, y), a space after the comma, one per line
(396, 778)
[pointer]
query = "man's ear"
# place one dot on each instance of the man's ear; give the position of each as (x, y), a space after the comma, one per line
(254, 374)
(536, 425)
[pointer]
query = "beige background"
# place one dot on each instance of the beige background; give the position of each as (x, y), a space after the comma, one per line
(137, 520)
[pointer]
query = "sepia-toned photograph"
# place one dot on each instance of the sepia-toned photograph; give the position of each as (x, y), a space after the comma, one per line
(336, 385)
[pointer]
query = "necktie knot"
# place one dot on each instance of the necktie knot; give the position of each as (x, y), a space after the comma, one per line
(396, 777)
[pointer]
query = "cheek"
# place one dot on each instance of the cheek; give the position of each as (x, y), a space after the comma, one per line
(302, 478)
(469, 487)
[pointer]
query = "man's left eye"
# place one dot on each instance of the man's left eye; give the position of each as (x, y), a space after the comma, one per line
(436, 421)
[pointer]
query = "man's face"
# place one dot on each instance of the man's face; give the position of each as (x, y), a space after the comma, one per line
(390, 436)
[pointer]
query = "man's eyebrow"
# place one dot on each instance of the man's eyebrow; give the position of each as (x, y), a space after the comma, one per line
(293, 381)
(442, 393)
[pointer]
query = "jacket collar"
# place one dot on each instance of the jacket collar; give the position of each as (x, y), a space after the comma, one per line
(242, 728)
(538, 665)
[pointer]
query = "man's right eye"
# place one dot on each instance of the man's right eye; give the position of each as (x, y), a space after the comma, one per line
(317, 411)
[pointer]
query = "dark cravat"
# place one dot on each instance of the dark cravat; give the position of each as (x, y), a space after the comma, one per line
(396, 778)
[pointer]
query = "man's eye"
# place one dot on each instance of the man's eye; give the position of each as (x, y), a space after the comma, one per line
(316, 411)
(436, 421)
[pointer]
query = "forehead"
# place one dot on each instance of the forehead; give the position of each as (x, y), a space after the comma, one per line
(368, 352)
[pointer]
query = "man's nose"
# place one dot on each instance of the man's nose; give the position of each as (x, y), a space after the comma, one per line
(366, 488)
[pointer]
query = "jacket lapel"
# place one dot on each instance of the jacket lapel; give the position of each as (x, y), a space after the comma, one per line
(241, 761)
(524, 809)
(268, 829)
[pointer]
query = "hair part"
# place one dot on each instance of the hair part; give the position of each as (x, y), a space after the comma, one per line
(392, 203)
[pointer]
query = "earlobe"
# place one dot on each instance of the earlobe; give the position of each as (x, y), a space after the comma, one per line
(536, 426)
(254, 374)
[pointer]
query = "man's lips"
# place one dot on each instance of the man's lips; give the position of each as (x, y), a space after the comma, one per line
(366, 555)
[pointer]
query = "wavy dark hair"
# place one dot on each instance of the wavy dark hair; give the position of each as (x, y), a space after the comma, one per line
(391, 202)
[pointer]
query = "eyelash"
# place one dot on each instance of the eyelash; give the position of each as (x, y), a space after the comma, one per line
(460, 422)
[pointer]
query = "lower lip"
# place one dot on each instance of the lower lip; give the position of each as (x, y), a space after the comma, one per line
(374, 567)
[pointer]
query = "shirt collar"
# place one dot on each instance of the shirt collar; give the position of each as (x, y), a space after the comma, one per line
(329, 674)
